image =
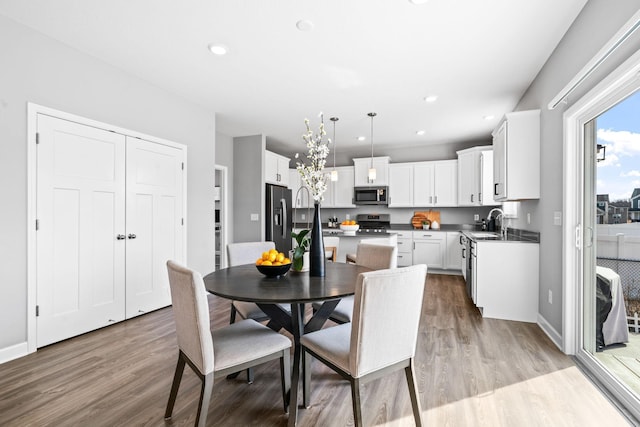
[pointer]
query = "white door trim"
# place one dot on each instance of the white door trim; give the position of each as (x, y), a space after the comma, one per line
(33, 110)
(224, 213)
(615, 87)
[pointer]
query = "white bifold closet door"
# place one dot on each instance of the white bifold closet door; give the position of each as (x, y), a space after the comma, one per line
(109, 211)
(154, 222)
(81, 212)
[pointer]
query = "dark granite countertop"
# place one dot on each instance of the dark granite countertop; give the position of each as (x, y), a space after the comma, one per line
(513, 235)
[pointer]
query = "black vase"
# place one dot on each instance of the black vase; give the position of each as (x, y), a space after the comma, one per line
(316, 253)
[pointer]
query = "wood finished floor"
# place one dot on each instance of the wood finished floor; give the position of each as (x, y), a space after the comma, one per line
(471, 372)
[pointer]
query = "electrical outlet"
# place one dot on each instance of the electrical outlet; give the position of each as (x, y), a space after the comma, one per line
(550, 297)
(476, 217)
(255, 217)
(557, 218)
(304, 216)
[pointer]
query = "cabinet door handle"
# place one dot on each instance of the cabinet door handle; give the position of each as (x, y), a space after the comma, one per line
(472, 198)
(121, 237)
(131, 236)
(480, 198)
(430, 199)
(435, 199)
(495, 189)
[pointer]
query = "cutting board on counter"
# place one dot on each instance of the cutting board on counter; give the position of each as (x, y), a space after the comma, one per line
(418, 217)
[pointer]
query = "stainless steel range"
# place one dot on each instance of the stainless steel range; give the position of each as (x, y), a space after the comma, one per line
(373, 223)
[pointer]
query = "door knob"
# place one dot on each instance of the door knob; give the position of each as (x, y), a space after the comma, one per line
(121, 237)
(132, 236)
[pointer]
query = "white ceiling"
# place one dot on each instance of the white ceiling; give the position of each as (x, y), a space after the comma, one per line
(478, 56)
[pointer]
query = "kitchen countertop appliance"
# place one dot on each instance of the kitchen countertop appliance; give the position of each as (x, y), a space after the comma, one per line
(373, 223)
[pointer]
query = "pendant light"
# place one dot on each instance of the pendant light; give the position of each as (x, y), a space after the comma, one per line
(372, 170)
(334, 172)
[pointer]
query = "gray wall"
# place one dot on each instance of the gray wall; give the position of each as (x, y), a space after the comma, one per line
(596, 24)
(38, 69)
(248, 181)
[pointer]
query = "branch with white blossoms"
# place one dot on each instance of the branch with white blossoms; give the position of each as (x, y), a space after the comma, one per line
(312, 166)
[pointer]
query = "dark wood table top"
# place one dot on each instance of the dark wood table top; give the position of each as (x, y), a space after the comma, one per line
(246, 283)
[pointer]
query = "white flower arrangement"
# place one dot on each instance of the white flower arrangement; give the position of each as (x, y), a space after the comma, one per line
(311, 168)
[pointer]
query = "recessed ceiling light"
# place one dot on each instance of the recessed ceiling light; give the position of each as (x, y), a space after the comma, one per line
(418, 1)
(304, 25)
(489, 117)
(362, 138)
(217, 49)
(431, 98)
(420, 132)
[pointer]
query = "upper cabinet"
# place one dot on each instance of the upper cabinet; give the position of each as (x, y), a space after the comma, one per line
(400, 185)
(435, 183)
(516, 156)
(339, 193)
(276, 169)
(475, 176)
(361, 171)
(302, 198)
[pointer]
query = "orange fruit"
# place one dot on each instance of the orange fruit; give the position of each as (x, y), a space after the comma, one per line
(259, 261)
(272, 256)
(267, 262)
(280, 257)
(277, 263)
(286, 261)
(265, 256)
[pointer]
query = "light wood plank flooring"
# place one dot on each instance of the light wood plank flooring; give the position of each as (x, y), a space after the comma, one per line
(471, 372)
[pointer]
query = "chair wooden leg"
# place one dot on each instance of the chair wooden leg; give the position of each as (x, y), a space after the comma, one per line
(306, 379)
(413, 392)
(355, 398)
(177, 377)
(205, 398)
(285, 378)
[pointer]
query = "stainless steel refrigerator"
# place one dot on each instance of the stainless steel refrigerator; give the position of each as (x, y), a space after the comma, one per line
(278, 217)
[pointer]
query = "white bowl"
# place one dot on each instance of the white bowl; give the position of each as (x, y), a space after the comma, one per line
(349, 230)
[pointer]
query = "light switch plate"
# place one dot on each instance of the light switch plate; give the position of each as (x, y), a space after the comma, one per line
(557, 218)
(255, 217)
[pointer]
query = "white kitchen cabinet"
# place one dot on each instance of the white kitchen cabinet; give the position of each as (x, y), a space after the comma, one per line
(405, 247)
(516, 156)
(429, 247)
(507, 280)
(400, 185)
(302, 198)
(339, 193)
(361, 171)
(435, 184)
(276, 169)
(453, 259)
(475, 177)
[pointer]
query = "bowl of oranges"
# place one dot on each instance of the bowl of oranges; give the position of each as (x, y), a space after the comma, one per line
(273, 263)
(349, 227)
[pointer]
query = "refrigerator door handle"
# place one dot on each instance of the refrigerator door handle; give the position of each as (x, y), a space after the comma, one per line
(283, 203)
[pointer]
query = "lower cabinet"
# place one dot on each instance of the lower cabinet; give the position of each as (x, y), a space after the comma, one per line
(454, 254)
(429, 248)
(405, 248)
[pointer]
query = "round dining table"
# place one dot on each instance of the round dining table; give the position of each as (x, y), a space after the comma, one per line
(246, 283)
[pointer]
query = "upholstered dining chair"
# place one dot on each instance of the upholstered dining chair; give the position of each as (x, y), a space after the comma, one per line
(373, 345)
(247, 253)
(212, 355)
(391, 240)
(375, 257)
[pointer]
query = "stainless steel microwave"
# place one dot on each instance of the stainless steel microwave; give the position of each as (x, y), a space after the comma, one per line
(371, 195)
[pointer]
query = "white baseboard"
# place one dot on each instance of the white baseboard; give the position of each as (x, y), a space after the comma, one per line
(550, 331)
(13, 352)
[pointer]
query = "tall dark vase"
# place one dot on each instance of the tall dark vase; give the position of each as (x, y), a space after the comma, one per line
(316, 253)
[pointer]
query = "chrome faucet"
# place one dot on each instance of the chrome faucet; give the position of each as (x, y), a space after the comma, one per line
(503, 225)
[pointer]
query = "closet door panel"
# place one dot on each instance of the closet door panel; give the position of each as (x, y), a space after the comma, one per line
(154, 222)
(80, 278)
